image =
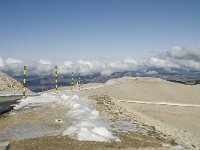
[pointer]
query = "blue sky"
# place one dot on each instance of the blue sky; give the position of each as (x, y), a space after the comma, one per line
(96, 29)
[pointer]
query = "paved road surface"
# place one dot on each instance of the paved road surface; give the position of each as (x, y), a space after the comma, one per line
(6, 102)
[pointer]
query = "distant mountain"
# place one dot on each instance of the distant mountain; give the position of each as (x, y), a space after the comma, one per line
(39, 83)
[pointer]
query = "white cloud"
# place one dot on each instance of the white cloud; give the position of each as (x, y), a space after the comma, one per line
(186, 58)
(188, 64)
(128, 64)
(13, 61)
(40, 67)
(68, 64)
(130, 60)
(176, 57)
(85, 67)
(161, 63)
(193, 64)
(178, 52)
(44, 62)
(12, 64)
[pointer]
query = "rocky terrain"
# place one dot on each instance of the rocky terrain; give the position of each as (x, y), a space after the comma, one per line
(171, 108)
(9, 85)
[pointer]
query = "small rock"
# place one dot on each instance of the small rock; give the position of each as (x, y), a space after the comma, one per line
(117, 140)
(4, 145)
(58, 121)
(166, 145)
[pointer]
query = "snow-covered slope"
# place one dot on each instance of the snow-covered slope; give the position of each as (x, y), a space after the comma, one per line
(9, 85)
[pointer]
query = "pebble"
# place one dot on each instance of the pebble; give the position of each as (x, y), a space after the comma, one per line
(4, 145)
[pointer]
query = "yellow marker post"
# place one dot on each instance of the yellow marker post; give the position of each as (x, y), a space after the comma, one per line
(56, 79)
(24, 84)
(79, 83)
(72, 81)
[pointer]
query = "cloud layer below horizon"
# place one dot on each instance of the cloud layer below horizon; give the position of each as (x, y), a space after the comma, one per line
(175, 58)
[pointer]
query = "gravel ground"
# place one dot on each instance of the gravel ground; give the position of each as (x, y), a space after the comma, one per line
(128, 141)
(144, 137)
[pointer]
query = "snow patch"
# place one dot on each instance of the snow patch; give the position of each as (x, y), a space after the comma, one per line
(179, 147)
(111, 82)
(86, 124)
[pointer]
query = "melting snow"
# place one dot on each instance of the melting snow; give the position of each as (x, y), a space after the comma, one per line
(111, 82)
(86, 125)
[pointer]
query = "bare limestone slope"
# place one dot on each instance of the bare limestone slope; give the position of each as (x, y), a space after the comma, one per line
(9, 85)
(171, 108)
